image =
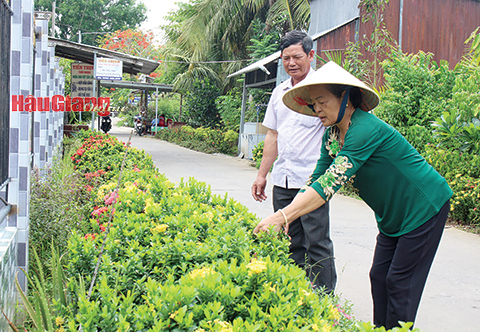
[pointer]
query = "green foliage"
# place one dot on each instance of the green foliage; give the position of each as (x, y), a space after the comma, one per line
(230, 109)
(464, 204)
(380, 41)
(258, 154)
(180, 258)
(459, 126)
(264, 42)
(200, 108)
(418, 91)
(462, 172)
(101, 156)
(168, 106)
(43, 306)
(350, 60)
(57, 206)
(202, 139)
(474, 41)
(96, 16)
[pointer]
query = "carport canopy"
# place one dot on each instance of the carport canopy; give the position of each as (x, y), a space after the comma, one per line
(86, 54)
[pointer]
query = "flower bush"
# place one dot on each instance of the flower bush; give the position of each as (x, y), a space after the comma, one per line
(462, 172)
(177, 258)
(202, 139)
(101, 155)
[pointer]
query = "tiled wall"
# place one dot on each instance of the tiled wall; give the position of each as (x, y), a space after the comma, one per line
(35, 137)
(8, 254)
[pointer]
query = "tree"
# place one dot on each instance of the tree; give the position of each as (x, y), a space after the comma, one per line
(213, 37)
(380, 42)
(93, 17)
(200, 107)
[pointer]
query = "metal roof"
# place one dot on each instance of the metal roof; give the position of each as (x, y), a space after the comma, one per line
(260, 64)
(85, 53)
(136, 86)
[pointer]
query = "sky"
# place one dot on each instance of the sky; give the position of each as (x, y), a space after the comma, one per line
(156, 10)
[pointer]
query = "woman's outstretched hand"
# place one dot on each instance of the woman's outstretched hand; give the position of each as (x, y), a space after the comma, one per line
(276, 220)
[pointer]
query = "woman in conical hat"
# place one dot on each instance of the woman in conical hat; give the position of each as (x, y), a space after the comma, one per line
(410, 199)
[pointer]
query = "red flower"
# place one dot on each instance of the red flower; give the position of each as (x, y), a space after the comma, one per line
(99, 211)
(91, 236)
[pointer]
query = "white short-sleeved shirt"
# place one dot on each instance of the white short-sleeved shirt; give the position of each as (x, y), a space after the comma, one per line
(298, 143)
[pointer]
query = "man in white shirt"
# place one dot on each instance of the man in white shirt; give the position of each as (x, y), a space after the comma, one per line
(294, 140)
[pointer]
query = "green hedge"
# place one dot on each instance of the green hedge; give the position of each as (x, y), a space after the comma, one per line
(202, 139)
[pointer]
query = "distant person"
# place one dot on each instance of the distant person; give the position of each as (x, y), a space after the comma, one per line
(294, 140)
(410, 199)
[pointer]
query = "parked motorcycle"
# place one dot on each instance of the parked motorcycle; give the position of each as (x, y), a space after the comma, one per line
(106, 124)
(138, 126)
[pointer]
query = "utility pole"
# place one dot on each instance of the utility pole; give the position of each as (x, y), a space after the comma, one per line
(79, 36)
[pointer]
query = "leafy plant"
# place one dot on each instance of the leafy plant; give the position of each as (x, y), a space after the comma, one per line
(257, 154)
(418, 90)
(57, 206)
(380, 42)
(202, 139)
(44, 307)
(200, 108)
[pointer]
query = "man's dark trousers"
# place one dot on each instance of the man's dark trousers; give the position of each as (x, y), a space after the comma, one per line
(310, 243)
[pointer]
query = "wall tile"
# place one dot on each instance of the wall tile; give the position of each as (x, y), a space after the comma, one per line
(12, 220)
(42, 152)
(15, 85)
(17, 9)
(15, 61)
(13, 165)
(23, 179)
(21, 254)
(22, 206)
(26, 24)
(24, 121)
(38, 81)
(26, 49)
(36, 129)
(22, 235)
(44, 59)
(14, 139)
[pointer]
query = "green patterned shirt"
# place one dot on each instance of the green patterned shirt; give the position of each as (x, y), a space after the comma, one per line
(398, 184)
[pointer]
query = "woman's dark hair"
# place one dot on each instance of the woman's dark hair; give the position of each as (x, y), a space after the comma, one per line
(296, 37)
(355, 94)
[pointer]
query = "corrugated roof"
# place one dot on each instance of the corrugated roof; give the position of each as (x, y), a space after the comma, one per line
(85, 53)
(260, 64)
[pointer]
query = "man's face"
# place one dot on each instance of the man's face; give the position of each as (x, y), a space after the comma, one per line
(296, 62)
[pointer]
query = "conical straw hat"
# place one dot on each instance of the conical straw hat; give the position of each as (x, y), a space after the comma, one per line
(298, 98)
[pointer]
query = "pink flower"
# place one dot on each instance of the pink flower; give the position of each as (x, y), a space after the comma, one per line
(99, 211)
(111, 198)
(136, 169)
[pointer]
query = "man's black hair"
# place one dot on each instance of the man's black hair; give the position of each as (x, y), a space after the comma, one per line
(296, 37)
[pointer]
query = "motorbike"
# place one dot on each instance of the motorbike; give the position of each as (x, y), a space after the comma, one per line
(106, 124)
(138, 127)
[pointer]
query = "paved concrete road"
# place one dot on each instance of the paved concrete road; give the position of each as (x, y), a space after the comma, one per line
(451, 300)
